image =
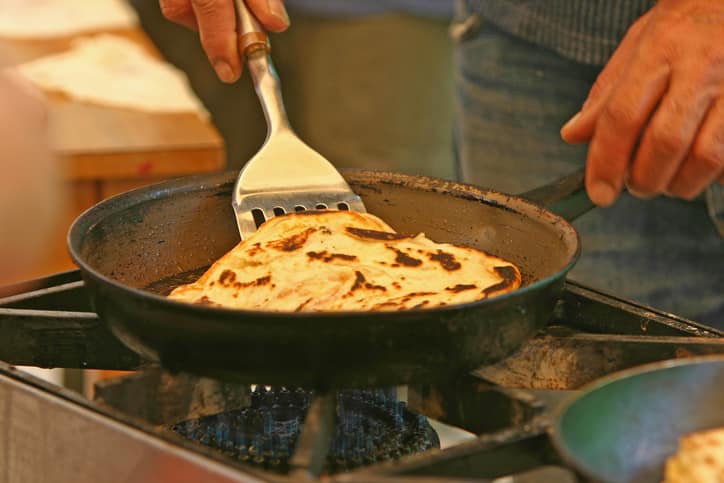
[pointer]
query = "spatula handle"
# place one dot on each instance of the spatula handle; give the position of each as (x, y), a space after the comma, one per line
(252, 37)
(254, 48)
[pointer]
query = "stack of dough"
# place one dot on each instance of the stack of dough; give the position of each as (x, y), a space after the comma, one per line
(114, 71)
(35, 19)
(346, 261)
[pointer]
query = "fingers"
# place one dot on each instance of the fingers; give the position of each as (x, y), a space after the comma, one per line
(622, 119)
(671, 133)
(180, 12)
(217, 29)
(216, 22)
(705, 162)
(580, 127)
(271, 13)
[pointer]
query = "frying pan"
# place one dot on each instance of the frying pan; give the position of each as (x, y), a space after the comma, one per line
(134, 248)
(623, 427)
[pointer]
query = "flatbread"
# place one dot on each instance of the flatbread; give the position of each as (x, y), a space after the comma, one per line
(39, 19)
(113, 71)
(346, 261)
(699, 459)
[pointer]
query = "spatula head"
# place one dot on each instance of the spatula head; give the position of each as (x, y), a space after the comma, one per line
(286, 176)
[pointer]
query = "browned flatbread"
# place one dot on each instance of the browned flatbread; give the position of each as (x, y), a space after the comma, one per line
(344, 260)
(699, 459)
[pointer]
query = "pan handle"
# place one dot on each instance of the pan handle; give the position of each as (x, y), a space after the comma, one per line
(565, 196)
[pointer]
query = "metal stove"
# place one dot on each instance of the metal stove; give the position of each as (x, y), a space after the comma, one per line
(153, 426)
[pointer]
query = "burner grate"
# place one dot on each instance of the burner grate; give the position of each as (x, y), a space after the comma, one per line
(372, 426)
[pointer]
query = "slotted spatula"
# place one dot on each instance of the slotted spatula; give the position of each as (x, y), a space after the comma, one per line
(285, 175)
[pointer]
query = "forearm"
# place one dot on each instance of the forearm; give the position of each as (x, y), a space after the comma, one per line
(30, 191)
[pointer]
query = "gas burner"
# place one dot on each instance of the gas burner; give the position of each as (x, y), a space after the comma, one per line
(372, 426)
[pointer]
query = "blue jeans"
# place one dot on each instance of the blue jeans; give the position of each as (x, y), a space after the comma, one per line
(512, 98)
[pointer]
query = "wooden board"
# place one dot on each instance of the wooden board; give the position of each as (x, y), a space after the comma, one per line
(94, 141)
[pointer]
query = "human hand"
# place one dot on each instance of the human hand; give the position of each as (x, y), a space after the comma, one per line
(215, 20)
(30, 186)
(655, 116)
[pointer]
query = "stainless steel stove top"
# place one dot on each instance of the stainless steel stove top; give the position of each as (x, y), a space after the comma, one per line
(492, 422)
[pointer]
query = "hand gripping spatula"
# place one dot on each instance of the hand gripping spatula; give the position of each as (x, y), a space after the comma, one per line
(285, 175)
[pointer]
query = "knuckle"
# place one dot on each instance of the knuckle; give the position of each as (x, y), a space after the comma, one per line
(711, 55)
(596, 90)
(621, 116)
(214, 44)
(636, 29)
(643, 181)
(670, 45)
(667, 142)
(609, 168)
(709, 157)
(205, 7)
(600, 87)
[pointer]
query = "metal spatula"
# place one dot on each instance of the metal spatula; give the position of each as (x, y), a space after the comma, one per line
(285, 175)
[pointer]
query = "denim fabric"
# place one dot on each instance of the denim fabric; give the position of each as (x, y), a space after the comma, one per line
(586, 31)
(512, 98)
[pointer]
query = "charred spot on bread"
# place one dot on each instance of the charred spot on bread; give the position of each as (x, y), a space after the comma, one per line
(374, 234)
(204, 300)
(254, 283)
(403, 258)
(508, 274)
(293, 242)
(327, 257)
(254, 250)
(361, 282)
(301, 306)
(446, 260)
(227, 278)
(461, 287)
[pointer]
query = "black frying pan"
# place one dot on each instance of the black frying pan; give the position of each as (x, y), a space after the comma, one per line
(624, 426)
(154, 238)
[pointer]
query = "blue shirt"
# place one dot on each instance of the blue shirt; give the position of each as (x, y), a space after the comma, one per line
(350, 8)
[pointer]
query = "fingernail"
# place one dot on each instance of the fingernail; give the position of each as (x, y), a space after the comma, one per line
(224, 71)
(276, 8)
(571, 121)
(602, 193)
